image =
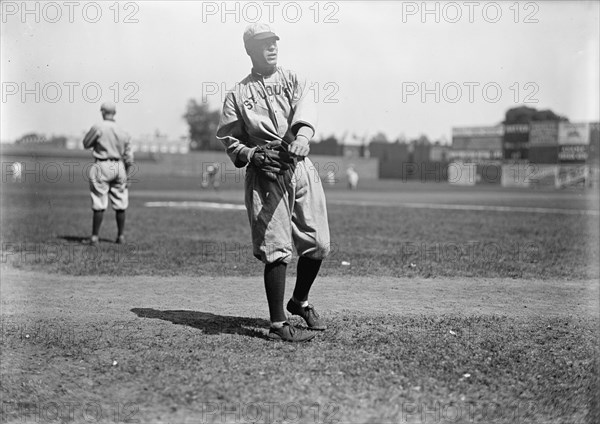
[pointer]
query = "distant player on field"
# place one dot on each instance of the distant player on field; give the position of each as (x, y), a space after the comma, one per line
(17, 172)
(111, 150)
(352, 177)
(267, 124)
(209, 177)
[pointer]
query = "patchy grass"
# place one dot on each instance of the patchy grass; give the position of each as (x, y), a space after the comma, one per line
(43, 227)
(84, 340)
(365, 368)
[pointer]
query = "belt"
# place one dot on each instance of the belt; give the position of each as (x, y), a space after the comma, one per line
(109, 159)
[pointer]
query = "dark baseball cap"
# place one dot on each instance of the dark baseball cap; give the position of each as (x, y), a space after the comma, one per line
(259, 31)
(108, 107)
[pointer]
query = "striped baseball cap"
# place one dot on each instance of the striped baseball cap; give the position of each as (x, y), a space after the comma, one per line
(259, 31)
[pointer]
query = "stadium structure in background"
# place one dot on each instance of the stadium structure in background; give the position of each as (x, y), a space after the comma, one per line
(536, 154)
(554, 153)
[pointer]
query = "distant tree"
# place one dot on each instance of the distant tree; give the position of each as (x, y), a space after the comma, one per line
(525, 115)
(401, 139)
(327, 146)
(548, 115)
(31, 138)
(380, 137)
(423, 139)
(443, 140)
(58, 141)
(330, 141)
(203, 124)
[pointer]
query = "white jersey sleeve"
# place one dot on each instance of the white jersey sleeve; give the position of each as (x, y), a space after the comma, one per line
(232, 133)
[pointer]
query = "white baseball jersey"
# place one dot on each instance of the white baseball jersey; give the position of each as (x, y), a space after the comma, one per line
(17, 170)
(108, 177)
(262, 109)
(290, 212)
(108, 141)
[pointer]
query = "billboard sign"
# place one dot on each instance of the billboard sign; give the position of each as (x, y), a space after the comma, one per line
(577, 153)
(516, 133)
(573, 133)
(476, 143)
(495, 131)
(544, 133)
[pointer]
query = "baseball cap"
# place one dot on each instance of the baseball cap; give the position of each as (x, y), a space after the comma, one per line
(109, 107)
(259, 31)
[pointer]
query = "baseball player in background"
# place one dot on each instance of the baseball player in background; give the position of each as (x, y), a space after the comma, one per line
(17, 172)
(352, 177)
(266, 124)
(111, 150)
(209, 177)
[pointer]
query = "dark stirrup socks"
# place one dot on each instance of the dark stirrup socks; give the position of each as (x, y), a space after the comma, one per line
(97, 222)
(275, 288)
(306, 273)
(120, 215)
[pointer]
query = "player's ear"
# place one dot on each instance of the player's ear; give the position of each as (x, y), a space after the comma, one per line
(252, 46)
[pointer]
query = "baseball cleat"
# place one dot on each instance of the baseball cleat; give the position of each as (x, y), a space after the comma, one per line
(288, 333)
(308, 313)
(120, 239)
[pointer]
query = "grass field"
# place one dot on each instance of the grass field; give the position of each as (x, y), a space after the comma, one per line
(446, 313)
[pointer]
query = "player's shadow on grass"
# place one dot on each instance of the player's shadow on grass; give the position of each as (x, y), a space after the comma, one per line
(207, 322)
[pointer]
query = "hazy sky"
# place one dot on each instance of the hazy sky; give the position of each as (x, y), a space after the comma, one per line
(368, 61)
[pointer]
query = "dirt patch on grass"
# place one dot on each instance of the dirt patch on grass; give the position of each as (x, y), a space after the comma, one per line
(184, 349)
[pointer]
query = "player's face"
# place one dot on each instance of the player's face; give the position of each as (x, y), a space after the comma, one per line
(264, 53)
(108, 116)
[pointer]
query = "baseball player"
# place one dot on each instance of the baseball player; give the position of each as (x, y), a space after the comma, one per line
(266, 124)
(352, 177)
(111, 150)
(17, 172)
(209, 177)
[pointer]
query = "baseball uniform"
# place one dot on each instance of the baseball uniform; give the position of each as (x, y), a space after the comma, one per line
(352, 178)
(17, 171)
(290, 211)
(267, 124)
(107, 176)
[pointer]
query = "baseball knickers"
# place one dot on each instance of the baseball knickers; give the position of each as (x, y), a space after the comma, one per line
(287, 213)
(108, 179)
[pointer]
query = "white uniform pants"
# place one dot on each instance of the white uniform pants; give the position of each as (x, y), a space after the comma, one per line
(287, 213)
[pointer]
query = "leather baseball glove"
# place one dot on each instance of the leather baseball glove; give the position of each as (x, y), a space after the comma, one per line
(272, 160)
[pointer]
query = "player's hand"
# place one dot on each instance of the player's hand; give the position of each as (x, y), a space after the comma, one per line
(271, 162)
(129, 172)
(299, 147)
